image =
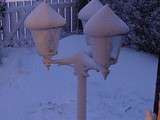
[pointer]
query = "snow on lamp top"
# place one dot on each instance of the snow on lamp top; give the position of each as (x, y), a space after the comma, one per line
(89, 10)
(44, 17)
(106, 23)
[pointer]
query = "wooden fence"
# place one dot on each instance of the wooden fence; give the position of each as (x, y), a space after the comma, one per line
(14, 34)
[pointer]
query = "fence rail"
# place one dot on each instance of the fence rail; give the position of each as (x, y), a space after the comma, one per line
(14, 33)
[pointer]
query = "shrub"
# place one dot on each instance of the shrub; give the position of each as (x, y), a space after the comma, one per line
(143, 18)
(2, 9)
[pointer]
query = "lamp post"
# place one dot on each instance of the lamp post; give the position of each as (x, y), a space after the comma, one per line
(45, 24)
(81, 63)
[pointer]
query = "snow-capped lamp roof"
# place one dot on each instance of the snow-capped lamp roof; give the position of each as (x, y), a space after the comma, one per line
(44, 17)
(106, 23)
(89, 10)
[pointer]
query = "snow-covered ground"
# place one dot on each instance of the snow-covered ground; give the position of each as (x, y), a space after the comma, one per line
(29, 92)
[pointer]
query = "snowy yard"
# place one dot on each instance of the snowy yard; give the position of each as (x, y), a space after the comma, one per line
(29, 92)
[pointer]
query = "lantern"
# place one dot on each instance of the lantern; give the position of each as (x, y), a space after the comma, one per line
(45, 25)
(100, 29)
(89, 10)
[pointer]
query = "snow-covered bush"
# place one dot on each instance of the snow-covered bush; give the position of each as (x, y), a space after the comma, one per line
(143, 18)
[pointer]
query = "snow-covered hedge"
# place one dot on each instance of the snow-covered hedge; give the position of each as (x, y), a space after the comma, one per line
(143, 17)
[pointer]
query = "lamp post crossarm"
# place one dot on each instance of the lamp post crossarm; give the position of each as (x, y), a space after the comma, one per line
(81, 63)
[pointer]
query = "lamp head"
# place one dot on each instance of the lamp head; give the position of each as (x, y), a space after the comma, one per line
(45, 25)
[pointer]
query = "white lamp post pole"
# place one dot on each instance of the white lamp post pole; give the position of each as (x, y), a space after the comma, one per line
(81, 99)
(44, 22)
(81, 64)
